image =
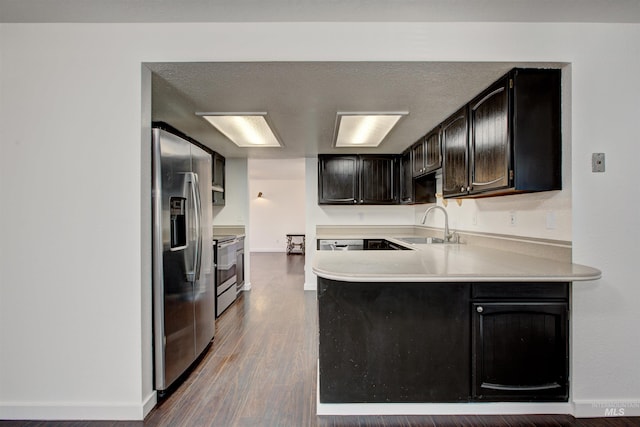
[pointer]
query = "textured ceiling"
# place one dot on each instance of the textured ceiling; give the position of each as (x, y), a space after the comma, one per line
(302, 98)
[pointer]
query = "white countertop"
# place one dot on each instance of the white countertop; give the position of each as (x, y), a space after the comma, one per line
(445, 263)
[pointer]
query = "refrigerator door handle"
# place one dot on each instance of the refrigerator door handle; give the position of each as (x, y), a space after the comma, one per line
(192, 264)
(198, 253)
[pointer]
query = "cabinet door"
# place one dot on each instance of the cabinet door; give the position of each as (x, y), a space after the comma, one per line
(433, 152)
(379, 180)
(489, 143)
(338, 181)
(218, 170)
(218, 179)
(520, 351)
(406, 178)
(455, 162)
(418, 156)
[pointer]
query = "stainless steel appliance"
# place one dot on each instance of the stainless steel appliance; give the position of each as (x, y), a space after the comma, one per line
(226, 271)
(183, 268)
(341, 245)
(240, 265)
(358, 245)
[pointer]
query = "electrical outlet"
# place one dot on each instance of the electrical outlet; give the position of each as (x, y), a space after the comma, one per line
(513, 218)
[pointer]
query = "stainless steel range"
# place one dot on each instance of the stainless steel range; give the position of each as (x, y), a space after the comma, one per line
(225, 259)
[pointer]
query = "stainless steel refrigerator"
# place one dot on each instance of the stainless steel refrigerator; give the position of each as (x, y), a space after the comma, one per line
(183, 269)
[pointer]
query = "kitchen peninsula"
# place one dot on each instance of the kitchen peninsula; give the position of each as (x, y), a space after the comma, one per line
(443, 323)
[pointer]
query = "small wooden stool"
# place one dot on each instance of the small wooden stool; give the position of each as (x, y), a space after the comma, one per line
(295, 244)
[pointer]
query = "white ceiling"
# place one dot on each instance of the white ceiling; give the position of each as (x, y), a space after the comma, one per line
(319, 10)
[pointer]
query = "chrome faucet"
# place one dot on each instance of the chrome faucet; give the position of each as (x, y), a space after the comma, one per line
(447, 234)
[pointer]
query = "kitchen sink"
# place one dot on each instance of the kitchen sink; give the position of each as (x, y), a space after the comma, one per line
(420, 240)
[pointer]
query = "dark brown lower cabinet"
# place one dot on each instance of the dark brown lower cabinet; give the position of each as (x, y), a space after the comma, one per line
(443, 342)
(520, 350)
(393, 342)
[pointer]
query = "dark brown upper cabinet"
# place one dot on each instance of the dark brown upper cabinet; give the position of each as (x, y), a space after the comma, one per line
(218, 182)
(513, 142)
(358, 179)
(455, 166)
(406, 178)
(426, 154)
(416, 190)
(433, 159)
(489, 139)
(379, 179)
(338, 180)
(418, 156)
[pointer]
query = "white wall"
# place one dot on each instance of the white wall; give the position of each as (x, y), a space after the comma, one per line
(74, 300)
(281, 209)
(236, 208)
(545, 215)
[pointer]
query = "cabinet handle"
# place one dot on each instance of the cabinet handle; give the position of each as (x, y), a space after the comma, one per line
(479, 309)
(469, 188)
(462, 189)
(355, 201)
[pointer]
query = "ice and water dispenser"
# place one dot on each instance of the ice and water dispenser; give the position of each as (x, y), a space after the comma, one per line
(178, 212)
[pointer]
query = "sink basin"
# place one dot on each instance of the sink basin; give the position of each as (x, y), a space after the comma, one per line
(420, 240)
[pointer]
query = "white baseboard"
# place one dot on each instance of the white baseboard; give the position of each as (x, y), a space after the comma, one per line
(76, 411)
(149, 403)
(606, 408)
(310, 286)
(493, 408)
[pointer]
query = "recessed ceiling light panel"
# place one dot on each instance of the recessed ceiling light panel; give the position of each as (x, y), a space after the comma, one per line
(364, 129)
(244, 129)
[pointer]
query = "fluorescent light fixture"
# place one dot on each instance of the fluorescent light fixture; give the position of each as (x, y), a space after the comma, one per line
(244, 129)
(364, 129)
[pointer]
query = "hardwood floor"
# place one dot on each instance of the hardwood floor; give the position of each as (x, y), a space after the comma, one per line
(261, 369)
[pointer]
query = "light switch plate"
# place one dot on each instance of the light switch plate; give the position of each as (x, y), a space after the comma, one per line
(551, 220)
(597, 162)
